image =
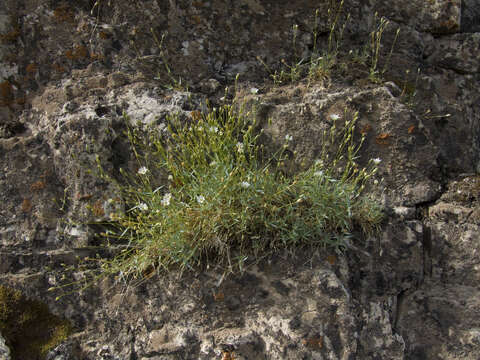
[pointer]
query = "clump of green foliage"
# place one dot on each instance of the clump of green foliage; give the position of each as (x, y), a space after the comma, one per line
(223, 203)
(319, 65)
(28, 326)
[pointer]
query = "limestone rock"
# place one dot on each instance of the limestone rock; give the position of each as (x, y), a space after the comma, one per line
(4, 350)
(72, 73)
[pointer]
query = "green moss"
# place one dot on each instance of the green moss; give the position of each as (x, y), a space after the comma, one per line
(28, 326)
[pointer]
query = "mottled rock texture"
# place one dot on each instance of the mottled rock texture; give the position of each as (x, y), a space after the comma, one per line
(70, 70)
(4, 350)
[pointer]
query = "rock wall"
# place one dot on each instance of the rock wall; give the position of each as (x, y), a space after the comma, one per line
(70, 69)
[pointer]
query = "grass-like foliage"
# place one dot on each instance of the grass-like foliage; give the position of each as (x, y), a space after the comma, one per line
(223, 204)
(319, 65)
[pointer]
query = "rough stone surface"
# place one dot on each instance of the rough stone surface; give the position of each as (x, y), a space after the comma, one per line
(4, 350)
(69, 71)
(447, 303)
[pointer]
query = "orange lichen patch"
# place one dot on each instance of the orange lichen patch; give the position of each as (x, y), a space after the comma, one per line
(26, 205)
(63, 14)
(197, 4)
(38, 185)
(383, 136)
(220, 296)
(313, 342)
(95, 56)
(450, 25)
(82, 197)
(58, 68)
(382, 139)
(81, 51)
(411, 129)
(31, 68)
(228, 355)
(20, 100)
(332, 259)
(10, 36)
(78, 52)
(365, 129)
(69, 55)
(104, 35)
(6, 93)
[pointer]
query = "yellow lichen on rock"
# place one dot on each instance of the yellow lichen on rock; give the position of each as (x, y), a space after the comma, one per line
(28, 326)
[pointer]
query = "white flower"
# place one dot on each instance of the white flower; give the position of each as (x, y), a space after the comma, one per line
(318, 173)
(170, 177)
(253, 90)
(295, 30)
(143, 206)
(214, 129)
(200, 199)
(377, 161)
(334, 117)
(142, 171)
(288, 137)
(375, 182)
(166, 199)
(239, 147)
(244, 184)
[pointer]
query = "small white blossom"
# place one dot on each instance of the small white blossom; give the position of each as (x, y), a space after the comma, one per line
(244, 184)
(166, 199)
(375, 182)
(288, 137)
(214, 129)
(318, 173)
(334, 117)
(143, 206)
(377, 161)
(239, 147)
(200, 199)
(142, 171)
(253, 90)
(295, 30)
(170, 177)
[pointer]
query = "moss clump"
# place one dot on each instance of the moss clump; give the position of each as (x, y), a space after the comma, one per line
(28, 326)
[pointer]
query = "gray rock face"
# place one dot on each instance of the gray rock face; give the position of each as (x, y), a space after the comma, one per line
(447, 302)
(4, 350)
(470, 16)
(68, 73)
